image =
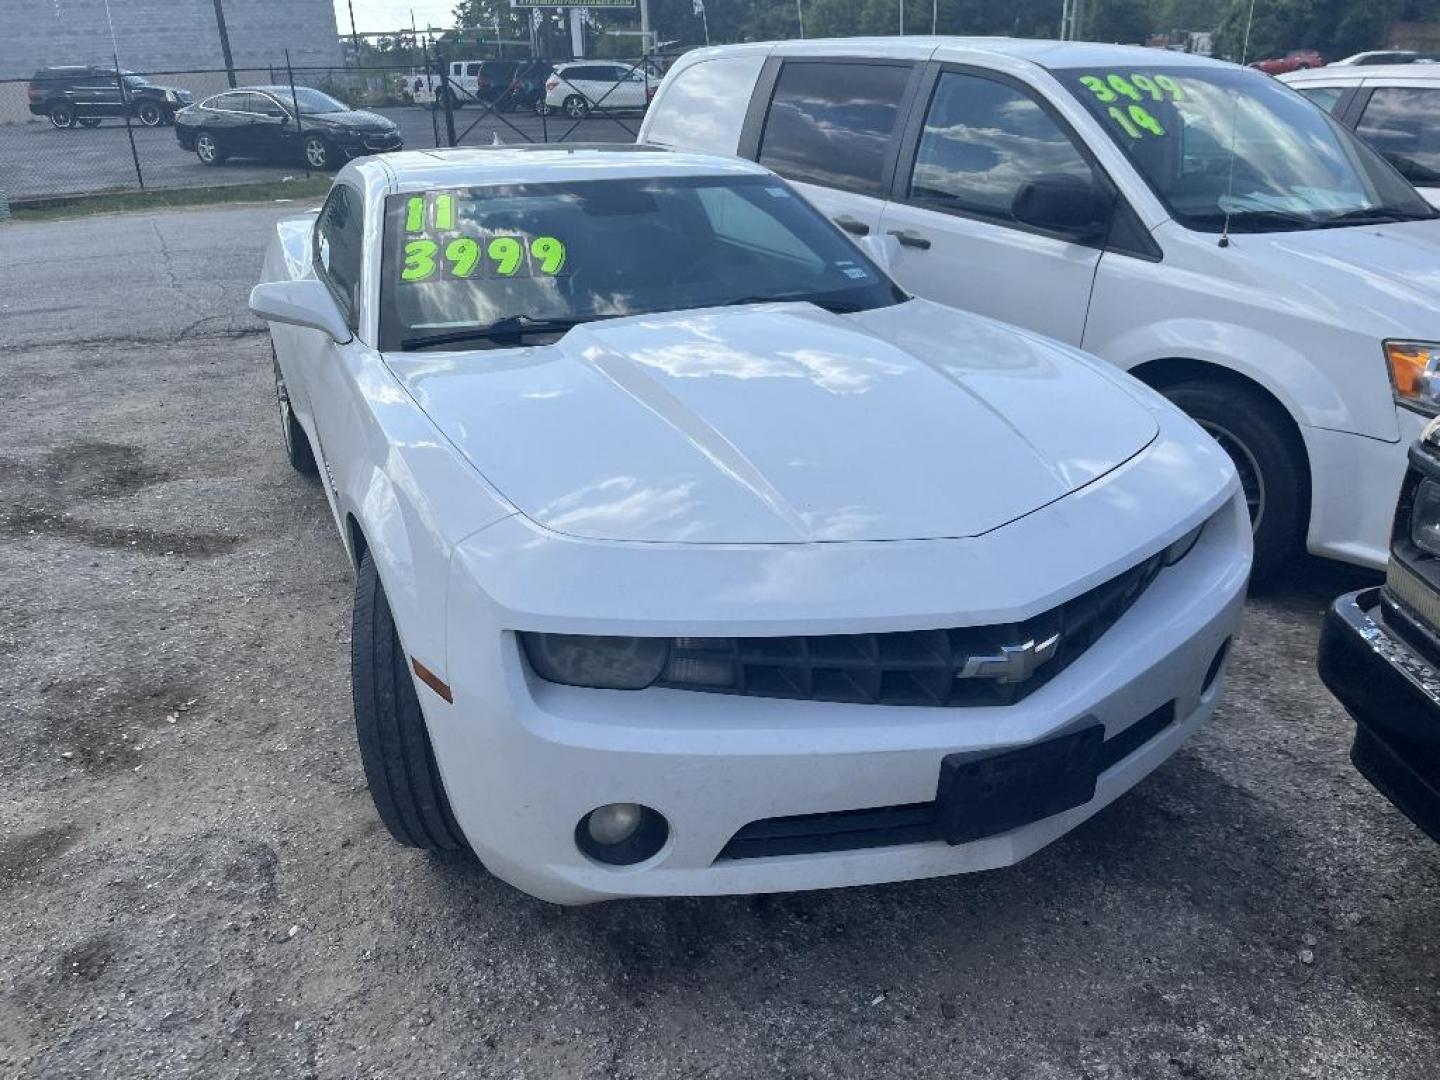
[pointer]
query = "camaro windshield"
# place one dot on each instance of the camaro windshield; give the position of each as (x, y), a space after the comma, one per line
(1293, 167)
(490, 265)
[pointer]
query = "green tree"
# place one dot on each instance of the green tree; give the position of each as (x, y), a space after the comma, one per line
(1122, 21)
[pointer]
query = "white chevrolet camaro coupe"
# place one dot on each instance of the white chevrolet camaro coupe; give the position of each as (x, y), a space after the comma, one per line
(693, 556)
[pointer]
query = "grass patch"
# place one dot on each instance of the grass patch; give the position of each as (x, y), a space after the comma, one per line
(161, 198)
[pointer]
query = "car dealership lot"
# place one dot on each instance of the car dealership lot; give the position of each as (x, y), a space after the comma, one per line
(39, 160)
(195, 882)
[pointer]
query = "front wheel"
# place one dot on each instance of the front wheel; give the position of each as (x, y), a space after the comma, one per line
(395, 747)
(317, 152)
(1254, 432)
(297, 443)
(62, 115)
(207, 149)
(150, 114)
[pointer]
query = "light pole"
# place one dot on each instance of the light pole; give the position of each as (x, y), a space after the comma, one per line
(225, 41)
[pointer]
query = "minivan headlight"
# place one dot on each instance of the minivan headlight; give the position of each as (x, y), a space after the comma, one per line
(1415, 374)
(604, 663)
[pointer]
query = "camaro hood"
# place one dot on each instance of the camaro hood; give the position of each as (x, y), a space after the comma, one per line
(782, 423)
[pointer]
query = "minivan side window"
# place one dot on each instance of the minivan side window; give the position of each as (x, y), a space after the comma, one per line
(687, 114)
(339, 242)
(1403, 123)
(981, 142)
(1327, 97)
(833, 123)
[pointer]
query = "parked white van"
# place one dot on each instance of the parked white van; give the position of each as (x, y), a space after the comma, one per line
(1285, 294)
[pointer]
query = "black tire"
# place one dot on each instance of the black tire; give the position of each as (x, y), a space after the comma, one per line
(318, 153)
(150, 114)
(576, 107)
(297, 443)
(1256, 433)
(62, 115)
(394, 744)
(208, 149)
(89, 121)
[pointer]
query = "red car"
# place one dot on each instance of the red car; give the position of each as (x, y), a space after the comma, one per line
(1278, 63)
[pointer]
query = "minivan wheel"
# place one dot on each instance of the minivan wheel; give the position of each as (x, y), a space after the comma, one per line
(150, 114)
(297, 443)
(1253, 431)
(207, 149)
(317, 152)
(576, 107)
(62, 115)
(395, 747)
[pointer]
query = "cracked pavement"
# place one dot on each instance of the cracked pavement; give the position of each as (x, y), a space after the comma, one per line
(193, 882)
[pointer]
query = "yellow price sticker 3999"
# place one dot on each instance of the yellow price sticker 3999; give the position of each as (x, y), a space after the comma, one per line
(501, 255)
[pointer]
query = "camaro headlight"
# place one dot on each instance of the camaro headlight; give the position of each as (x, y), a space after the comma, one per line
(1186, 544)
(605, 663)
(1415, 374)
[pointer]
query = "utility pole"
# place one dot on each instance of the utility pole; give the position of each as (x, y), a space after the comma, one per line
(934, 16)
(645, 27)
(354, 35)
(800, 14)
(225, 42)
(577, 34)
(902, 18)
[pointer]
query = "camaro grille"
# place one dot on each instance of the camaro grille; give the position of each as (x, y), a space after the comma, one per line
(967, 666)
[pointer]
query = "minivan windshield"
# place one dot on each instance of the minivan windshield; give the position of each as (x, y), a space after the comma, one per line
(1292, 166)
(496, 266)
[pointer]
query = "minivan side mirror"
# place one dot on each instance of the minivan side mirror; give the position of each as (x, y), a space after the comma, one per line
(300, 303)
(1064, 204)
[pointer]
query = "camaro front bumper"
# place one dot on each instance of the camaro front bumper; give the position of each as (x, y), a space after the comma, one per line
(1393, 694)
(523, 760)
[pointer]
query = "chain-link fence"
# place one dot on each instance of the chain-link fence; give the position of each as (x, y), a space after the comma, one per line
(84, 130)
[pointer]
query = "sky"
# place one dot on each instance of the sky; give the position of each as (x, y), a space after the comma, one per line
(376, 15)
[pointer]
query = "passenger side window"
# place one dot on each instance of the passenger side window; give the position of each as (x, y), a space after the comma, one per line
(834, 123)
(1403, 123)
(339, 243)
(1327, 97)
(982, 140)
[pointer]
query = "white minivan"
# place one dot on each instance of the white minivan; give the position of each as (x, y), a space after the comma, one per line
(1198, 224)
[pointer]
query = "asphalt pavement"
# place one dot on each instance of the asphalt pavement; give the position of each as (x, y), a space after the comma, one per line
(38, 160)
(193, 881)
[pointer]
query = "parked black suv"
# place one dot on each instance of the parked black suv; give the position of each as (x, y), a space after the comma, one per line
(85, 95)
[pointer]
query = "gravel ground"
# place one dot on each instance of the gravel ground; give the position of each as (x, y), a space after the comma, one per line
(193, 881)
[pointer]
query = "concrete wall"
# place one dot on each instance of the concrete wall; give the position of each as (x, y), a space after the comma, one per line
(164, 35)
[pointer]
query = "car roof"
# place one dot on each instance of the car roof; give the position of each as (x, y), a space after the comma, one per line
(1047, 54)
(1369, 72)
(473, 166)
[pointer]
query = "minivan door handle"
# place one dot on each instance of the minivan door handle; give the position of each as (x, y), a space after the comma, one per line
(909, 238)
(854, 226)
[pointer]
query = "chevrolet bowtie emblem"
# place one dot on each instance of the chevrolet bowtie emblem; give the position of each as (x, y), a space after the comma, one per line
(1013, 664)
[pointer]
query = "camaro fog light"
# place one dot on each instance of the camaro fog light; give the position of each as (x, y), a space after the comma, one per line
(1415, 374)
(1425, 518)
(621, 834)
(614, 822)
(607, 663)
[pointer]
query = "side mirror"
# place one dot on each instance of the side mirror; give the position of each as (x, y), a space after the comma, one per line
(300, 303)
(1065, 204)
